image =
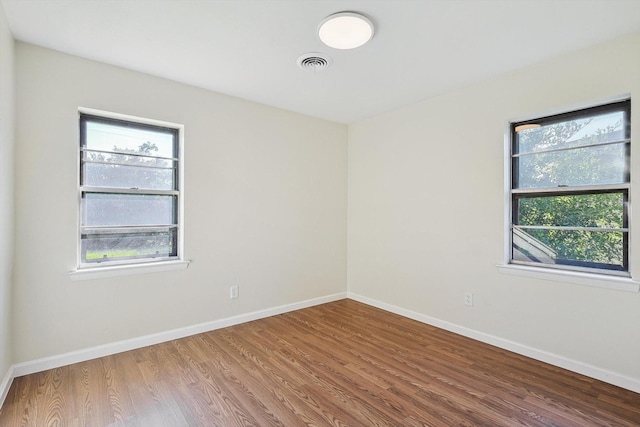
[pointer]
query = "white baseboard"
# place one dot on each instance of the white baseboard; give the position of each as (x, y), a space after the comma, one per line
(57, 361)
(5, 384)
(543, 356)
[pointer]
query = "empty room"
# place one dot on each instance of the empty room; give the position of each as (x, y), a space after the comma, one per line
(319, 213)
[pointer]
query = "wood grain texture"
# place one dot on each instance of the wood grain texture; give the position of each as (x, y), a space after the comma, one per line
(337, 364)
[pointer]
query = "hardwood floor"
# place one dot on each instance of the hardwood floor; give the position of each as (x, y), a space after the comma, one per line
(338, 364)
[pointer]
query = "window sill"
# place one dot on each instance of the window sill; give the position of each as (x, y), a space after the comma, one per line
(577, 278)
(126, 270)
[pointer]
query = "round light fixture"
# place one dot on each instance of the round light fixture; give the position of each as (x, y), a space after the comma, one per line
(345, 30)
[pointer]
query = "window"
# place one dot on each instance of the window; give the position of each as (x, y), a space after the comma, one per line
(129, 191)
(570, 190)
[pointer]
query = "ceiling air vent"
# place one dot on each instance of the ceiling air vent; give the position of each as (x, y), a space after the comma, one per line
(314, 61)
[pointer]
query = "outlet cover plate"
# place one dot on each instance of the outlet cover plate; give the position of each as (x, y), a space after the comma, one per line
(234, 292)
(468, 299)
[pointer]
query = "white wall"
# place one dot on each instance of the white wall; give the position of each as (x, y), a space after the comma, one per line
(265, 207)
(6, 192)
(426, 212)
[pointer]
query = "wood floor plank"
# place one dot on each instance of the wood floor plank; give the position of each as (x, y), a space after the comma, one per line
(337, 364)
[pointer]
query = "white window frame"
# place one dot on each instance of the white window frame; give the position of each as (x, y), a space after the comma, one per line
(141, 265)
(589, 276)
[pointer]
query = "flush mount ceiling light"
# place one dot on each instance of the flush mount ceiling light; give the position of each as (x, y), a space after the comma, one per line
(345, 30)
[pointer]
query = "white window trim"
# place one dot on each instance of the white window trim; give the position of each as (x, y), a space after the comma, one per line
(574, 277)
(144, 266)
(611, 282)
(90, 273)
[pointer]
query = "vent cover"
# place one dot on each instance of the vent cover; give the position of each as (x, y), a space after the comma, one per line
(314, 61)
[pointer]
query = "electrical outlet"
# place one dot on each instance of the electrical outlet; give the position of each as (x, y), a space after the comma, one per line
(468, 299)
(234, 292)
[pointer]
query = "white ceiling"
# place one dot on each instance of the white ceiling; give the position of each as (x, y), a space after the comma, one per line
(248, 48)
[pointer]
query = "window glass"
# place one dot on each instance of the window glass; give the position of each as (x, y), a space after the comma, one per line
(137, 243)
(581, 166)
(124, 137)
(579, 248)
(604, 210)
(595, 129)
(112, 209)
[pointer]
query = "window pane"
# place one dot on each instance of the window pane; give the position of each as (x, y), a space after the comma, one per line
(118, 176)
(133, 160)
(606, 127)
(129, 139)
(99, 246)
(566, 247)
(582, 166)
(109, 209)
(605, 210)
